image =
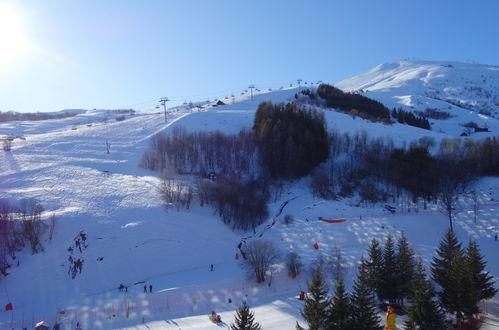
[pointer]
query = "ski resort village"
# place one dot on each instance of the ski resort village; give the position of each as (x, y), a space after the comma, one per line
(323, 203)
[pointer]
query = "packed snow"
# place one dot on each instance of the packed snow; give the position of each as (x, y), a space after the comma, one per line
(132, 240)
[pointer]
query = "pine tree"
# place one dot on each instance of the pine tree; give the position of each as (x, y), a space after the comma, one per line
(459, 295)
(423, 311)
(363, 314)
(441, 266)
(405, 267)
(388, 282)
(340, 308)
(374, 265)
(483, 283)
(245, 319)
(315, 309)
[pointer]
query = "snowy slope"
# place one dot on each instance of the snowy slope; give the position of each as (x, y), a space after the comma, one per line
(134, 241)
(469, 92)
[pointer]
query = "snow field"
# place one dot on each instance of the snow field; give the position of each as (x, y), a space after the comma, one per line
(133, 240)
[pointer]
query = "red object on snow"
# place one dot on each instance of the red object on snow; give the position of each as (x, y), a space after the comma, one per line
(302, 295)
(333, 220)
(316, 246)
(8, 307)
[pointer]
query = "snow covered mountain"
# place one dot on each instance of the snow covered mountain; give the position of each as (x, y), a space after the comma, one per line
(465, 91)
(131, 239)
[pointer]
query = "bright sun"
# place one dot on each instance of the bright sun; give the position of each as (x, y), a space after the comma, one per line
(13, 42)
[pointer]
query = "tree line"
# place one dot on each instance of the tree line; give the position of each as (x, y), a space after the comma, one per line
(202, 153)
(359, 105)
(380, 172)
(391, 275)
(14, 116)
(238, 173)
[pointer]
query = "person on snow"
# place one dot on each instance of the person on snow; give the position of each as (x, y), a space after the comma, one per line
(150, 288)
(145, 288)
(390, 318)
(211, 268)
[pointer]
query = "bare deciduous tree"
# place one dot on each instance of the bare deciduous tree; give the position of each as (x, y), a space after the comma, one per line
(10, 233)
(336, 264)
(7, 144)
(259, 257)
(32, 226)
(453, 179)
(293, 264)
(175, 193)
(476, 203)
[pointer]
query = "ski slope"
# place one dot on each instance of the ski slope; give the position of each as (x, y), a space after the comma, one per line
(133, 240)
(469, 92)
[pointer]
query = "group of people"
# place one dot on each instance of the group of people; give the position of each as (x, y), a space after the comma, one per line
(145, 288)
(215, 318)
(122, 287)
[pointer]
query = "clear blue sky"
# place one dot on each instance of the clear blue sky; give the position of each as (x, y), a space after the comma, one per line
(57, 54)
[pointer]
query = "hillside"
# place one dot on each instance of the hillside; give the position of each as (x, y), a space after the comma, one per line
(468, 92)
(133, 240)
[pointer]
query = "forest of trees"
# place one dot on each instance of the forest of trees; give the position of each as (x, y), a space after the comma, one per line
(239, 173)
(203, 153)
(392, 276)
(380, 172)
(235, 172)
(336, 98)
(364, 107)
(13, 116)
(292, 140)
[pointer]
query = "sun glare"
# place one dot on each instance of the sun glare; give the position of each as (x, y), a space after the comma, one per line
(13, 42)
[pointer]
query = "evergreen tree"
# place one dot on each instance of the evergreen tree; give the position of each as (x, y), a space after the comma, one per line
(340, 308)
(423, 311)
(363, 314)
(447, 250)
(405, 267)
(315, 309)
(245, 319)
(483, 283)
(374, 265)
(388, 282)
(459, 295)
